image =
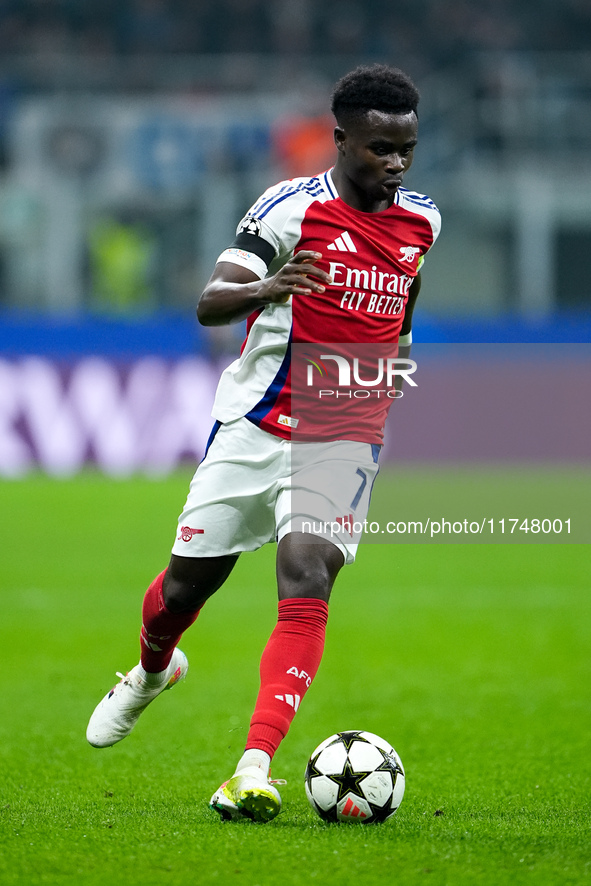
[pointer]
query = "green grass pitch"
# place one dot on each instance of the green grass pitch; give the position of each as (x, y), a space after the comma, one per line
(472, 659)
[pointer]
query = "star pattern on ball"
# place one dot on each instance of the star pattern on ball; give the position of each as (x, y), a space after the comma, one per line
(359, 793)
(349, 781)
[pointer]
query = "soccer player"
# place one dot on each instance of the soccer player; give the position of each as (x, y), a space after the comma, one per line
(331, 258)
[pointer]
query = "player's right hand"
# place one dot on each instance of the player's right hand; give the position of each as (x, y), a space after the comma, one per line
(299, 276)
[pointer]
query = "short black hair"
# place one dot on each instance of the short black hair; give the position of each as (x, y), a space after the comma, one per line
(373, 88)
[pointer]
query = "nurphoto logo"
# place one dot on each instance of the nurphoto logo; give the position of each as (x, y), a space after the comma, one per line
(368, 375)
(341, 390)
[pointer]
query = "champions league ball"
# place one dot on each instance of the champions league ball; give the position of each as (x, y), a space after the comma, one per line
(355, 776)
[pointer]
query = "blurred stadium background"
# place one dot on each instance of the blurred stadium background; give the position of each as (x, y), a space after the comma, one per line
(135, 133)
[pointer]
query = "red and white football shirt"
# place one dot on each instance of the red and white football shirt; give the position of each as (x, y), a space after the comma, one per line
(372, 259)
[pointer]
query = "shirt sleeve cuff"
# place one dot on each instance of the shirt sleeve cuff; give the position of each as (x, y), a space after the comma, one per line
(245, 259)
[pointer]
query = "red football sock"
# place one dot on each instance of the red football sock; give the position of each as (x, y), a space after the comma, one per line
(288, 666)
(161, 628)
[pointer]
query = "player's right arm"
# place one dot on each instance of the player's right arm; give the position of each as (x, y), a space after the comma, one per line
(233, 292)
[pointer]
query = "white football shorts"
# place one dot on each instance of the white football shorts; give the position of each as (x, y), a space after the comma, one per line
(253, 487)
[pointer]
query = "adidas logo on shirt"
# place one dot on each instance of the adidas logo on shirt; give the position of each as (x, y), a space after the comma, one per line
(343, 243)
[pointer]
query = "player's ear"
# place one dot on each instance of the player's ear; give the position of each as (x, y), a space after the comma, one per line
(339, 138)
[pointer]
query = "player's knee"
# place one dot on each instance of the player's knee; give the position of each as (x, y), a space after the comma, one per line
(189, 581)
(181, 596)
(307, 570)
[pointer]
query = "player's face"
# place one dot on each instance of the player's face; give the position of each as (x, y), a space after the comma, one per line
(374, 154)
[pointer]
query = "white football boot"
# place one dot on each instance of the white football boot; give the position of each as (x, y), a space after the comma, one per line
(248, 794)
(116, 715)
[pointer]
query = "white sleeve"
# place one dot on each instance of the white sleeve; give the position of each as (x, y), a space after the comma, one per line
(270, 229)
(237, 256)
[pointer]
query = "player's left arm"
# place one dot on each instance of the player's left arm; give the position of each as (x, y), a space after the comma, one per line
(405, 339)
(406, 328)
